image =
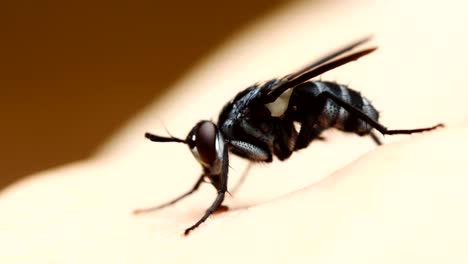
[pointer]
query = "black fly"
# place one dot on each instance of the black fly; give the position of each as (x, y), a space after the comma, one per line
(259, 122)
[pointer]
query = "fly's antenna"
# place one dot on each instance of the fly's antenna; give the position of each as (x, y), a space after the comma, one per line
(156, 138)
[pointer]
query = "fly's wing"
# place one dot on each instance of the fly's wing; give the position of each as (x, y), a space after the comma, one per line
(319, 66)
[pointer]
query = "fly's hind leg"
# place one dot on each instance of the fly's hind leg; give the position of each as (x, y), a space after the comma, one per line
(376, 139)
(376, 125)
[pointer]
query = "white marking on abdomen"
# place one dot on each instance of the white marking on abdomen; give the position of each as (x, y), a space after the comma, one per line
(343, 114)
(370, 112)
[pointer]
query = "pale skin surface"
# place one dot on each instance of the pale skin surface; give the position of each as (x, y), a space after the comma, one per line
(340, 201)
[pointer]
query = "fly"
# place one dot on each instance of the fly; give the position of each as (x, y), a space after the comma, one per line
(277, 118)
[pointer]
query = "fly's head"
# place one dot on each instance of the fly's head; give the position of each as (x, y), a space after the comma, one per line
(206, 143)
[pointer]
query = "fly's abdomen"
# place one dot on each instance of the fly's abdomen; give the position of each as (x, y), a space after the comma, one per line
(329, 114)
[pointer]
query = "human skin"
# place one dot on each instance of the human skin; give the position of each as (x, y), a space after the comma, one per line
(339, 201)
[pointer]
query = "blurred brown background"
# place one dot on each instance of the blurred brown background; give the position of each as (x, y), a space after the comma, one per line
(71, 73)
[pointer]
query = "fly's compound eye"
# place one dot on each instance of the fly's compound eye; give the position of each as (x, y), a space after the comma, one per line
(205, 142)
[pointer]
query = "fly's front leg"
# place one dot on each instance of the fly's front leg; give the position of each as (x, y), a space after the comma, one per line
(278, 135)
(265, 137)
(210, 211)
(250, 151)
(379, 127)
(221, 186)
(260, 150)
(154, 208)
